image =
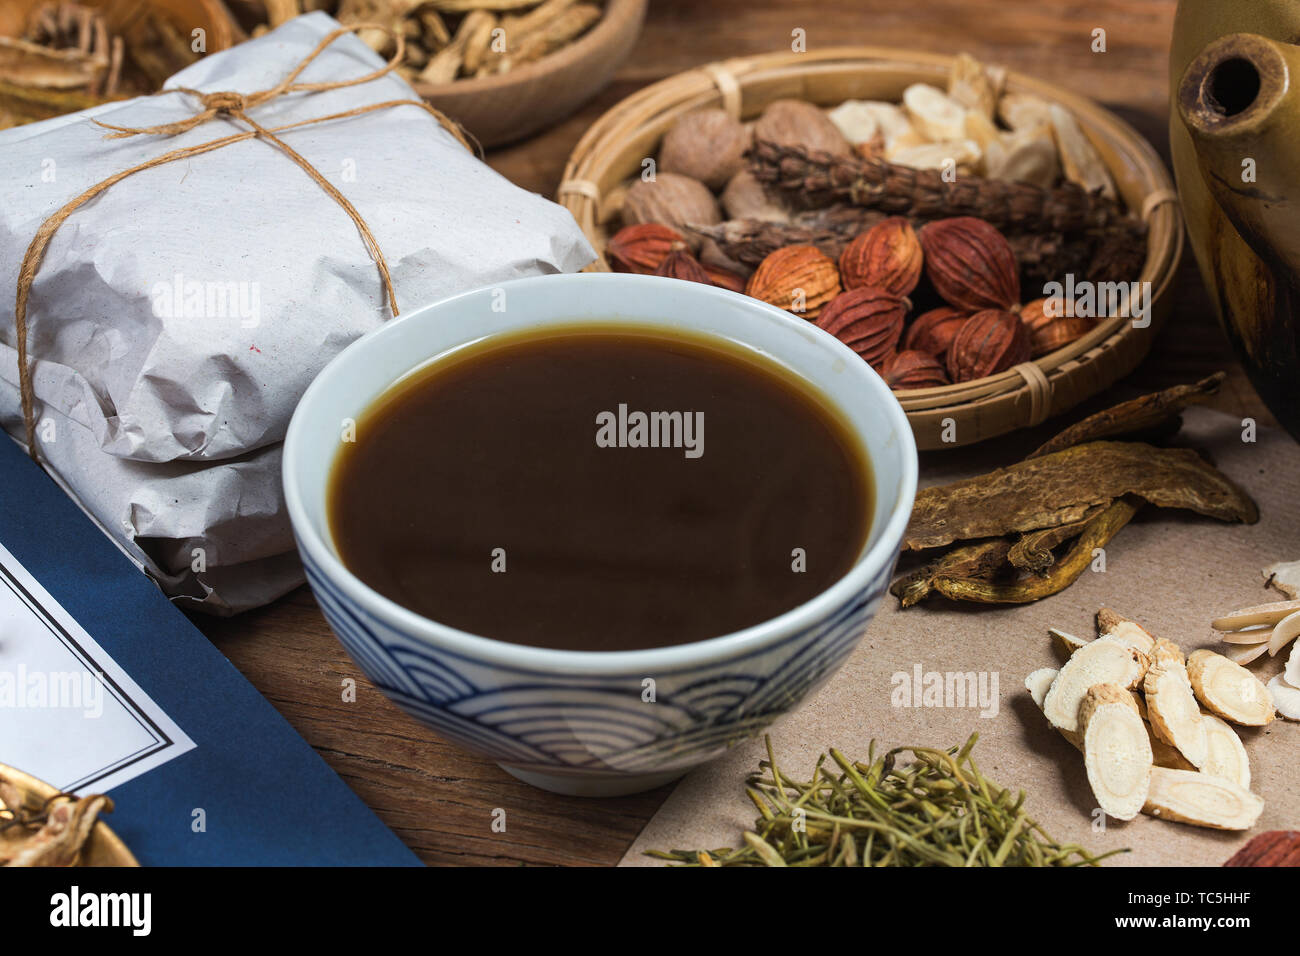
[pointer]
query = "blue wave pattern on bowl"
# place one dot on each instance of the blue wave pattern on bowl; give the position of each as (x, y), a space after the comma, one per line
(556, 722)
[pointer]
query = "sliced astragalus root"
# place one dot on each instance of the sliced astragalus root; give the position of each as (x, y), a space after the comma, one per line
(1243, 655)
(1171, 706)
(1039, 682)
(1116, 752)
(1284, 632)
(1258, 614)
(1103, 661)
(1165, 755)
(1292, 673)
(1189, 796)
(1112, 624)
(1228, 689)
(1286, 698)
(1225, 753)
(1066, 643)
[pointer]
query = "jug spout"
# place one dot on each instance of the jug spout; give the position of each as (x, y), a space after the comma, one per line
(1234, 99)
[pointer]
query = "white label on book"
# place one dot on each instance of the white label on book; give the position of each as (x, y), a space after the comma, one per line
(69, 714)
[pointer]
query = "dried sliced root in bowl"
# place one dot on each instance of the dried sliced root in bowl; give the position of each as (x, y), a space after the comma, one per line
(1285, 697)
(1225, 754)
(1189, 796)
(1171, 705)
(1116, 752)
(1258, 614)
(1229, 690)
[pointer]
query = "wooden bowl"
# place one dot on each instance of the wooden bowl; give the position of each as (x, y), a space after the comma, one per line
(104, 848)
(613, 148)
(186, 15)
(510, 106)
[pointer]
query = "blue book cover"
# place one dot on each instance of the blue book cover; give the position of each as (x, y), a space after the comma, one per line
(106, 687)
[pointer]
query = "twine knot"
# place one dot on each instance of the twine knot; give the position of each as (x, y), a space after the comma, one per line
(224, 102)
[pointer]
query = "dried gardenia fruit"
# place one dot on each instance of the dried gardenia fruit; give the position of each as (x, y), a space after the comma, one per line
(886, 256)
(970, 264)
(799, 279)
(680, 264)
(1047, 333)
(988, 342)
(934, 331)
(643, 247)
(911, 368)
(867, 320)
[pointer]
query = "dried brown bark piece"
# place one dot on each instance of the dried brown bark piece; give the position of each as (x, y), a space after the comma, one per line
(1062, 487)
(1138, 414)
(1033, 552)
(983, 560)
(994, 588)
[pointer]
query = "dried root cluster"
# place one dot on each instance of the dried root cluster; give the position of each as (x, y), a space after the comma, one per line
(45, 832)
(1154, 726)
(913, 231)
(1027, 531)
(448, 40)
(67, 59)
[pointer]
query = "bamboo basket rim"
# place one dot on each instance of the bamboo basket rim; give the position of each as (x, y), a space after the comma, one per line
(589, 176)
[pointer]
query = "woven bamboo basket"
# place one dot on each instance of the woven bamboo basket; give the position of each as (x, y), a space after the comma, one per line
(611, 152)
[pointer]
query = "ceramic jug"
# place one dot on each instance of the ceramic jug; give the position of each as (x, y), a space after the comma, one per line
(1235, 138)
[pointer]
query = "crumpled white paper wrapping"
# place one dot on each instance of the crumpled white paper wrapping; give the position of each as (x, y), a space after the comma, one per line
(164, 412)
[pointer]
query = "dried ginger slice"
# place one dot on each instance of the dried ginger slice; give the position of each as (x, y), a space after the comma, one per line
(1116, 752)
(1225, 755)
(1103, 661)
(1229, 690)
(1189, 796)
(1171, 706)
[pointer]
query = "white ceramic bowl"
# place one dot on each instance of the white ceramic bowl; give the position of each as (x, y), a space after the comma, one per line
(577, 721)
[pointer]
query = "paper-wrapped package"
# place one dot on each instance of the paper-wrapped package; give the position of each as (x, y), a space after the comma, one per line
(177, 317)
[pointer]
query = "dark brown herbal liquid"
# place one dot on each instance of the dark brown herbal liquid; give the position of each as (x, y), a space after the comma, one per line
(489, 458)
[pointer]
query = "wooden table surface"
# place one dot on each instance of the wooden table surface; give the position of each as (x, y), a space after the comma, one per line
(440, 799)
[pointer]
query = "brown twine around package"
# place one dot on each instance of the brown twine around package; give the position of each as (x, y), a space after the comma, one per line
(233, 106)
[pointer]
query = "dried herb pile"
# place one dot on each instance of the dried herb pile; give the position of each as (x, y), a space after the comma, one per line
(936, 810)
(1027, 531)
